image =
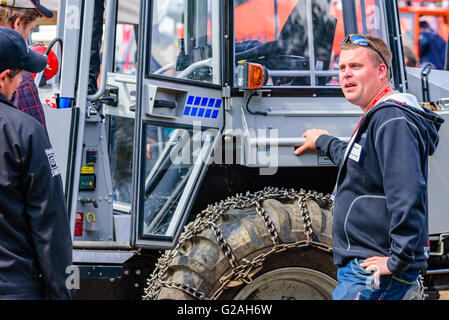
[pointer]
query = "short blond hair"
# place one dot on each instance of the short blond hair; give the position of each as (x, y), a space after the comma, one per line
(375, 58)
(9, 14)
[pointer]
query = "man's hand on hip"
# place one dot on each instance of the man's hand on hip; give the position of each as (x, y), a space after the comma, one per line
(311, 135)
(378, 265)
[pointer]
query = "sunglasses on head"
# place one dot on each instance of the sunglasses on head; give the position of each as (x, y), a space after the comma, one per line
(363, 41)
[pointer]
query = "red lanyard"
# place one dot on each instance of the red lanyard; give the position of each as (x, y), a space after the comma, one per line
(380, 96)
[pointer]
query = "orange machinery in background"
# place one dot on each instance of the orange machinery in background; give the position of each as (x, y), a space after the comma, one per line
(437, 18)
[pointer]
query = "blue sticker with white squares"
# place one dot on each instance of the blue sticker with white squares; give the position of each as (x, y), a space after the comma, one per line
(202, 107)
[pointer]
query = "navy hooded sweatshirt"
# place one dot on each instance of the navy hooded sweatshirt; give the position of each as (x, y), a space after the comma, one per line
(381, 202)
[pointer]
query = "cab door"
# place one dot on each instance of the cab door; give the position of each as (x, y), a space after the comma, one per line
(179, 113)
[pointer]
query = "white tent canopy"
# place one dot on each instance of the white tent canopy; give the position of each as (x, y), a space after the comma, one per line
(128, 11)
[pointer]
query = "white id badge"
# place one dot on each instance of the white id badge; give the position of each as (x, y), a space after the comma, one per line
(355, 152)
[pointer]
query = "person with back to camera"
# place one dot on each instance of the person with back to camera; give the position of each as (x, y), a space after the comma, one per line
(431, 47)
(380, 218)
(35, 241)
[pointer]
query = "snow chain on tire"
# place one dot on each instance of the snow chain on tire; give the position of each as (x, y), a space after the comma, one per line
(241, 271)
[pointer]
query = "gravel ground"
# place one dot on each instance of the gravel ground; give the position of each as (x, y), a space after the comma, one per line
(444, 295)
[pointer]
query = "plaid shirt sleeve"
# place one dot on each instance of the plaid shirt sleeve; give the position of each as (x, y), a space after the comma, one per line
(26, 98)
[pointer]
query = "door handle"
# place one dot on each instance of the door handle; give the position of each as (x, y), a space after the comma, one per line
(158, 103)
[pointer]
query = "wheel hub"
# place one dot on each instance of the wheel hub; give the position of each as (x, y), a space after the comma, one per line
(289, 284)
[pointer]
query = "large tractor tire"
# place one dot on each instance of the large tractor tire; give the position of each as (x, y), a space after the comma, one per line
(273, 244)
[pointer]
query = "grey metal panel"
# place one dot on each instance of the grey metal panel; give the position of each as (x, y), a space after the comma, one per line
(58, 128)
(439, 182)
(438, 83)
(60, 34)
(288, 118)
(81, 102)
(310, 42)
(101, 256)
(126, 84)
(156, 89)
(100, 272)
(69, 61)
(122, 227)
(102, 228)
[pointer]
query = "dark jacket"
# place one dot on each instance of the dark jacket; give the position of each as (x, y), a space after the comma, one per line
(381, 198)
(35, 241)
(432, 50)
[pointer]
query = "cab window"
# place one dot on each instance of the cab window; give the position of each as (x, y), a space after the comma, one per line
(407, 29)
(126, 48)
(299, 41)
(186, 40)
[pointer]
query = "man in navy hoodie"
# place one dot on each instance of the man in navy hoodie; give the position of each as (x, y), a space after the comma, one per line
(431, 47)
(380, 216)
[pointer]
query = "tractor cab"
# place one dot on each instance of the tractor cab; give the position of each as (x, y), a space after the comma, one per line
(188, 94)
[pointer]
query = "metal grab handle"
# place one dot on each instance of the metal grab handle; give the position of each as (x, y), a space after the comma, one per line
(284, 142)
(108, 48)
(425, 82)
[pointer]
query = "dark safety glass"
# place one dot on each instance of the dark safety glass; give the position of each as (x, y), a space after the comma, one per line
(361, 40)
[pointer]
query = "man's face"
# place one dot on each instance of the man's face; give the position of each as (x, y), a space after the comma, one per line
(25, 29)
(360, 79)
(11, 85)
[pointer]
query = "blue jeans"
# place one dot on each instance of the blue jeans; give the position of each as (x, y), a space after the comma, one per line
(355, 283)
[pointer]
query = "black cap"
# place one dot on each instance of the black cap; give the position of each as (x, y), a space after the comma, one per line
(28, 4)
(15, 54)
(424, 24)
